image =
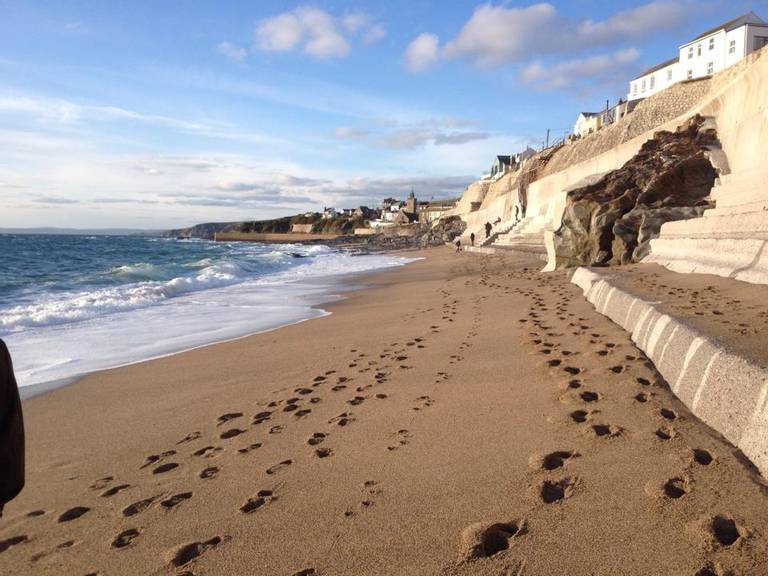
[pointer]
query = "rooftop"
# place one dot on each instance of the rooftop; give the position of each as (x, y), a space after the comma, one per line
(748, 18)
(658, 67)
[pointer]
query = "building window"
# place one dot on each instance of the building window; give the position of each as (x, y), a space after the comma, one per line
(761, 42)
(690, 52)
(690, 73)
(710, 68)
(732, 47)
(669, 75)
(698, 50)
(653, 82)
(643, 85)
(711, 43)
(634, 88)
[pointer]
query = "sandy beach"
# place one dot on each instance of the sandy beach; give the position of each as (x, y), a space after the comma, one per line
(461, 415)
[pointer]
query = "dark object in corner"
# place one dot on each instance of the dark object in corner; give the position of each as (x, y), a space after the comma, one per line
(11, 432)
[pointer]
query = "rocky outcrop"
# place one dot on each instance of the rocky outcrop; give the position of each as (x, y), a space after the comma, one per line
(445, 231)
(613, 220)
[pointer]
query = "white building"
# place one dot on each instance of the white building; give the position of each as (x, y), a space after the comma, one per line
(707, 54)
(586, 123)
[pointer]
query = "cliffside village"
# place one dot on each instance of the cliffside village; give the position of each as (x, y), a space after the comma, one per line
(697, 59)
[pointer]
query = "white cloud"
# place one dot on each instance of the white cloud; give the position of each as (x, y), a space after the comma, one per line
(316, 32)
(497, 35)
(279, 33)
(349, 133)
(231, 51)
(409, 138)
(594, 70)
(422, 52)
(374, 34)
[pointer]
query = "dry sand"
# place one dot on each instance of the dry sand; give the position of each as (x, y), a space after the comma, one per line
(464, 416)
(734, 313)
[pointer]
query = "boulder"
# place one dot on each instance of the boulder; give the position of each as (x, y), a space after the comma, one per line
(613, 220)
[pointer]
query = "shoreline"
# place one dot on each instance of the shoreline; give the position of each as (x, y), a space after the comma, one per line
(392, 436)
(333, 289)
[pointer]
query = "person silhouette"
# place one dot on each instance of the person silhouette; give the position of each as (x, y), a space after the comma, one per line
(11, 432)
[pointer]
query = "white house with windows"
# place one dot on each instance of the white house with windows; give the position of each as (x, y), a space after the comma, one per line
(707, 54)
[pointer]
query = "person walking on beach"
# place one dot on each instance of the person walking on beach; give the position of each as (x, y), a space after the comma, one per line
(488, 227)
(11, 432)
(472, 238)
(458, 245)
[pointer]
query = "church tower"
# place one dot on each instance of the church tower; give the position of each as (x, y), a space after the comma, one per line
(410, 204)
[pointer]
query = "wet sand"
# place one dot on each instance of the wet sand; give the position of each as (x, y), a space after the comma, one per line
(464, 415)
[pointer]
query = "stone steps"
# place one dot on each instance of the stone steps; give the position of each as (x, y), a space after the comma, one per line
(752, 224)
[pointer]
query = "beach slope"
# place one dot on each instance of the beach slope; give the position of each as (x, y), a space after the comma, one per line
(462, 415)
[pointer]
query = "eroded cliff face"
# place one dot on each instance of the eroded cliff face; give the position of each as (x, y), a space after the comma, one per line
(613, 220)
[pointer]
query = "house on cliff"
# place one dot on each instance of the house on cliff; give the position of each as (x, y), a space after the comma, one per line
(707, 54)
(586, 123)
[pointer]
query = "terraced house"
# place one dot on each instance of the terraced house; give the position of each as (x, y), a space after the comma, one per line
(707, 54)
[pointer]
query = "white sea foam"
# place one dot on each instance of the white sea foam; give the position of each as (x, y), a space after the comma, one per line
(63, 337)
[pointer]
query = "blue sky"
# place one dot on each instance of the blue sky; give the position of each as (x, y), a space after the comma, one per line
(162, 114)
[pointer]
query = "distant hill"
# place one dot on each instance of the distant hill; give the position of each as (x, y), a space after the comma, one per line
(205, 230)
(83, 231)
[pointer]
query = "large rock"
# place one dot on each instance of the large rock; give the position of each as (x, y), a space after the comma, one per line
(613, 220)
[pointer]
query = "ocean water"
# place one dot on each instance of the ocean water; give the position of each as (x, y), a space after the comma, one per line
(70, 305)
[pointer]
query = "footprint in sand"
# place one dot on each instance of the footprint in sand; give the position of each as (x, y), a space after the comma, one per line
(73, 514)
(140, 506)
(317, 438)
(555, 460)
(261, 417)
(154, 458)
(13, 541)
(279, 466)
(305, 572)
(303, 412)
(175, 500)
(607, 430)
(703, 457)
(102, 483)
(125, 538)
(401, 439)
(209, 472)
(163, 468)
(224, 418)
(676, 488)
(486, 540)
(207, 451)
(323, 452)
(262, 498)
(356, 401)
(231, 433)
(589, 396)
(189, 438)
(188, 552)
(342, 419)
(668, 414)
(552, 491)
(249, 448)
(423, 402)
(666, 433)
(303, 391)
(725, 530)
(114, 490)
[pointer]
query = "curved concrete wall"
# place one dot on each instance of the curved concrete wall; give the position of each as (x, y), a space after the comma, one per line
(723, 389)
(730, 240)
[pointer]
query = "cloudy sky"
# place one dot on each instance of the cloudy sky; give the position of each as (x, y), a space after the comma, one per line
(161, 114)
